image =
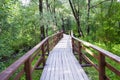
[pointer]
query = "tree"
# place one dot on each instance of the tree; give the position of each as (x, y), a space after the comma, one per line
(76, 13)
(42, 29)
(88, 16)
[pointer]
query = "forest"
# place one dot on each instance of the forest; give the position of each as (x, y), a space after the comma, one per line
(24, 23)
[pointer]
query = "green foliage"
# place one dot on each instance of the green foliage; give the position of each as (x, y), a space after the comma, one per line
(110, 27)
(19, 29)
(20, 25)
(104, 24)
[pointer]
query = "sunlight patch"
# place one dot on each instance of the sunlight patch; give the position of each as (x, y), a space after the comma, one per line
(25, 2)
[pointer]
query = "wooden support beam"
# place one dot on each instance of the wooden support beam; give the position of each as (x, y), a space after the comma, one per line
(80, 52)
(48, 46)
(73, 44)
(39, 68)
(101, 67)
(28, 70)
(86, 65)
(43, 55)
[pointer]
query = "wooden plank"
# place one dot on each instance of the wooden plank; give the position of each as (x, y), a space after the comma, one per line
(76, 69)
(71, 71)
(66, 70)
(101, 67)
(61, 67)
(90, 62)
(58, 66)
(19, 75)
(40, 60)
(79, 68)
(28, 70)
(51, 69)
(80, 71)
(91, 53)
(57, 70)
(67, 54)
(62, 63)
(45, 72)
(112, 69)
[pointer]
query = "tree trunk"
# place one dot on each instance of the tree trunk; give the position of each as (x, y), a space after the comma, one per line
(77, 17)
(48, 21)
(47, 31)
(88, 15)
(42, 29)
(55, 19)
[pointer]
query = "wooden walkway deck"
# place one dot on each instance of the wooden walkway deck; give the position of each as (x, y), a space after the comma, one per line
(62, 64)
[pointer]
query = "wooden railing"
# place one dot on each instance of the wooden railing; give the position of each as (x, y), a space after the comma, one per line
(31, 60)
(85, 49)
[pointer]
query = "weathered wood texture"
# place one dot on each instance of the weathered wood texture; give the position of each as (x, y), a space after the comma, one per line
(62, 64)
(25, 64)
(100, 56)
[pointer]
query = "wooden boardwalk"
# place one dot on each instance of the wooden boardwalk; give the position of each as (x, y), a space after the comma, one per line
(62, 64)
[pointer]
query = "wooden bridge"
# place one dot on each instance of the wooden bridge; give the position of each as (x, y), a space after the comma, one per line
(61, 63)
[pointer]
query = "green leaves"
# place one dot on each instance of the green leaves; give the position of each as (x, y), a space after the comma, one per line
(19, 28)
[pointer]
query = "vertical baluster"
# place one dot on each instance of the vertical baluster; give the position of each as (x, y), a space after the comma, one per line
(101, 67)
(48, 45)
(54, 41)
(73, 44)
(61, 34)
(43, 55)
(28, 71)
(80, 52)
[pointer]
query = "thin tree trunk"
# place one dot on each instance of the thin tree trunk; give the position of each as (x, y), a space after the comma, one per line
(47, 10)
(77, 17)
(63, 27)
(55, 20)
(47, 4)
(88, 16)
(42, 29)
(47, 31)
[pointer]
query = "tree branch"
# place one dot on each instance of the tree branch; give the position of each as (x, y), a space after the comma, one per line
(99, 3)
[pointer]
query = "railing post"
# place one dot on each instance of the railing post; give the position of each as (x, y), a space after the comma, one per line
(57, 38)
(80, 52)
(73, 44)
(54, 41)
(71, 33)
(48, 46)
(28, 70)
(61, 34)
(101, 67)
(43, 55)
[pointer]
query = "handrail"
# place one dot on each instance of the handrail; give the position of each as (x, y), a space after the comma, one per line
(80, 45)
(27, 59)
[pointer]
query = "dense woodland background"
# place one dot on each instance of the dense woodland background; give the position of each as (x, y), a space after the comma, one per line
(24, 23)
